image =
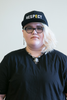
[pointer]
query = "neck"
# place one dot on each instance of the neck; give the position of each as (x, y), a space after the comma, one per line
(33, 51)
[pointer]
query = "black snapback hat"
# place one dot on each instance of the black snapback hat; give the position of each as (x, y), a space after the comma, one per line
(34, 16)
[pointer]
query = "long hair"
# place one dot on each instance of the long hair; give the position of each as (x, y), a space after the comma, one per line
(49, 40)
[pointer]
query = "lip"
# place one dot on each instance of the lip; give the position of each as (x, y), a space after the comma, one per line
(34, 37)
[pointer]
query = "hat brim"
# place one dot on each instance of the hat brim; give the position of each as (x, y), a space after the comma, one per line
(32, 20)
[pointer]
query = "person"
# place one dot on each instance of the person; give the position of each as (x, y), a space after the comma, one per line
(38, 71)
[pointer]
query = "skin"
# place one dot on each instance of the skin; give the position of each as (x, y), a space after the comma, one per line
(34, 40)
(2, 96)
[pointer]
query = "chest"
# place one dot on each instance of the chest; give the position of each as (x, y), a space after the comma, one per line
(46, 71)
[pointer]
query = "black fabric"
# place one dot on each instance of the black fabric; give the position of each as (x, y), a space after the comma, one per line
(22, 79)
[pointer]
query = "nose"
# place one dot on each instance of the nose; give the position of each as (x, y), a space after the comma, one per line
(34, 31)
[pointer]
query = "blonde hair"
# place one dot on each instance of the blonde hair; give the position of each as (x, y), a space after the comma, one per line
(49, 40)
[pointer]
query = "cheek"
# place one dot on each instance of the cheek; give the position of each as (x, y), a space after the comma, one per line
(27, 37)
(42, 36)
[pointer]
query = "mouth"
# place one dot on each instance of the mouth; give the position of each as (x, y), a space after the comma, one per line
(34, 37)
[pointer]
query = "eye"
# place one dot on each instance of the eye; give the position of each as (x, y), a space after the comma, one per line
(39, 28)
(28, 28)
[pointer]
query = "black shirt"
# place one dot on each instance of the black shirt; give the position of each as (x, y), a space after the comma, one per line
(22, 79)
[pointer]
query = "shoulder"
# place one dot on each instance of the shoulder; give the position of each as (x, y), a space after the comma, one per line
(57, 55)
(15, 54)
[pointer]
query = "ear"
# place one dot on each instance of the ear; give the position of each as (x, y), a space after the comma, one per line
(23, 32)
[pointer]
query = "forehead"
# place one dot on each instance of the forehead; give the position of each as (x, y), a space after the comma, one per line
(33, 24)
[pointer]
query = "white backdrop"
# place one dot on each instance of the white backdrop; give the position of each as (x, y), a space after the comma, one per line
(11, 15)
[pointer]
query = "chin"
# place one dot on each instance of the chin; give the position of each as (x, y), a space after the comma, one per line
(35, 44)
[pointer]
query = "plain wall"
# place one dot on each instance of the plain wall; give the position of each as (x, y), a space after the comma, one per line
(11, 15)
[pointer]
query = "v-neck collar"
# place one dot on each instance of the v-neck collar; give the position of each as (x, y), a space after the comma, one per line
(32, 58)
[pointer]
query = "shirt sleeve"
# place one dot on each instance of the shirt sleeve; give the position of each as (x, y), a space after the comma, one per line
(3, 76)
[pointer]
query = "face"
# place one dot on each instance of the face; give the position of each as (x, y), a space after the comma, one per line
(33, 39)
